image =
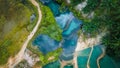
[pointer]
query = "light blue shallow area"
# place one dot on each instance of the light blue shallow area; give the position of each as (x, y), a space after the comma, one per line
(63, 19)
(45, 43)
(73, 27)
(70, 26)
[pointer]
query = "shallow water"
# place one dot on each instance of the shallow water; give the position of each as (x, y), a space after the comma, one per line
(55, 64)
(68, 66)
(70, 26)
(105, 62)
(45, 43)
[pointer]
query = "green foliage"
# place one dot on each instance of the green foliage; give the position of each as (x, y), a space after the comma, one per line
(48, 24)
(59, 1)
(49, 27)
(112, 40)
(33, 10)
(91, 5)
(106, 19)
(44, 58)
(14, 19)
(76, 2)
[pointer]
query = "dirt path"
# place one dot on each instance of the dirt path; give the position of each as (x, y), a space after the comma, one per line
(14, 61)
(88, 62)
(100, 57)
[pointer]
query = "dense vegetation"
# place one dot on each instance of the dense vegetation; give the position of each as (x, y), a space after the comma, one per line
(44, 59)
(48, 24)
(106, 19)
(48, 27)
(14, 22)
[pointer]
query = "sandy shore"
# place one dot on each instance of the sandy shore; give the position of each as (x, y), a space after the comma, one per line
(83, 44)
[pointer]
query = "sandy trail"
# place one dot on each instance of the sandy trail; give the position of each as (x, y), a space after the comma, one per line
(89, 42)
(88, 62)
(14, 61)
(100, 57)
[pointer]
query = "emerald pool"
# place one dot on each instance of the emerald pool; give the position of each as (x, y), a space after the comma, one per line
(70, 26)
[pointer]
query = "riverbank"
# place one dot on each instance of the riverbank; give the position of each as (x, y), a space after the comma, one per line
(84, 43)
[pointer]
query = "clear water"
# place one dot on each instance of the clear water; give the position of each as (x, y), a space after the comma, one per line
(55, 64)
(54, 8)
(105, 62)
(45, 43)
(95, 54)
(68, 66)
(74, 26)
(70, 26)
(62, 19)
(82, 61)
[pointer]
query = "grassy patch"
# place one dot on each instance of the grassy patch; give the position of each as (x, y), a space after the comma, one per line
(14, 20)
(48, 27)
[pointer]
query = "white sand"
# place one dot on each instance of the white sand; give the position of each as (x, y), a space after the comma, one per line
(83, 44)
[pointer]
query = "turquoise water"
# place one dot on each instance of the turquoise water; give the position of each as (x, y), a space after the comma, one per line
(68, 66)
(63, 19)
(84, 52)
(105, 62)
(54, 8)
(82, 61)
(73, 27)
(55, 64)
(46, 44)
(70, 26)
(95, 54)
(82, 58)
